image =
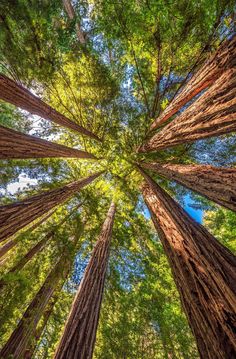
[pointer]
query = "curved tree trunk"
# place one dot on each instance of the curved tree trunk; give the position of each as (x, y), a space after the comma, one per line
(14, 144)
(204, 273)
(71, 14)
(15, 216)
(13, 242)
(79, 335)
(213, 114)
(217, 184)
(224, 58)
(21, 339)
(16, 94)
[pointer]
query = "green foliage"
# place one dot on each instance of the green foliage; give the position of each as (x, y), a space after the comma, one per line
(137, 53)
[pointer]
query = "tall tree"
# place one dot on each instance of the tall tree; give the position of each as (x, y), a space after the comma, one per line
(224, 58)
(204, 273)
(13, 242)
(21, 338)
(17, 215)
(37, 247)
(18, 145)
(72, 16)
(16, 94)
(213, 114)
(79, 335)
(217, 184)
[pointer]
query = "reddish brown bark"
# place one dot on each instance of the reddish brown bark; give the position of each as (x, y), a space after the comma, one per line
(71, 14)
(204, 273)
(217, 184)
(21, 339)
(14, 144)
(14, 93)
(224, 58)
(213, 114)
(79, 335)
(13, 242)
(17, 215)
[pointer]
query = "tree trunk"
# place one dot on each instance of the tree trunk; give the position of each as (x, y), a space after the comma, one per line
(14, 93)
(14, 144)
(17, 215)
(224, 58)
(13, 242)
(44, 319)
(79, 335)
(71, 14)
(38, 247)
(213, 114)
(217, 184)
(204, 273)
(20, 340)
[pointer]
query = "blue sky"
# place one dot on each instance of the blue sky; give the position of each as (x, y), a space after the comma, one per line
(196, 214)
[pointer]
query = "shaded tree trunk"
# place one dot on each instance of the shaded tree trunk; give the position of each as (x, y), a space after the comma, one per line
(44, 319)
(13, 242)
(14, 144)
(16, 94)
(38, 247)
(21, 339)
(217, 184)
(204, 272)
(224, 58)
(71, 14)
(17, 215)
(79, 335)
(213, 114)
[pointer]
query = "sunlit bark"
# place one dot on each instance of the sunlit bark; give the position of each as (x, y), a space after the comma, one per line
(16, 94)
(216, 183)
(213, 114)
(223, 59)
(79, 335)
(204, 273)
(14, 144)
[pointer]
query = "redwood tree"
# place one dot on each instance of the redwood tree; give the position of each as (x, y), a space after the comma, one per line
(37, 247)
(14, 144)
(216, 183)
(213, 114)
(224, 58)
(16, 94)
(13, 242)
(21, 339)
(15, 216)
(204, 273)
(79, 335)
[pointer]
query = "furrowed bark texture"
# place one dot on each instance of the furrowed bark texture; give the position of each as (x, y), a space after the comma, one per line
(224, 58)
(14, 93)
(71, 14)
(21, 338)
(79, 335)
(15, 216)
(13, 242)
(14, 144)
(217, 184)
(213, 114)
(204, 273)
